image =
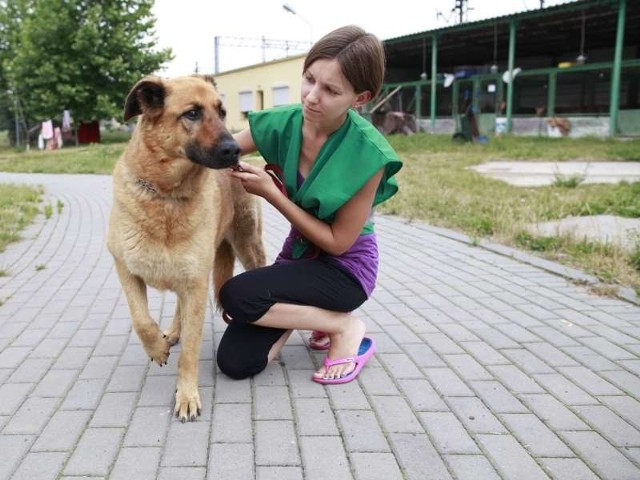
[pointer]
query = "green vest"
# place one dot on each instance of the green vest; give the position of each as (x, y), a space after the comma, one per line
(347, 160)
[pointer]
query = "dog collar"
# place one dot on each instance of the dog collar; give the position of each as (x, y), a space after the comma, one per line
(148, 186)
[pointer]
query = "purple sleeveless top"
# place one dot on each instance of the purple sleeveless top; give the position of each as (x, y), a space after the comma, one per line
(361, 260)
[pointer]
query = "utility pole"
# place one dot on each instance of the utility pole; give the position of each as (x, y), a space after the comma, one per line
(462, 7)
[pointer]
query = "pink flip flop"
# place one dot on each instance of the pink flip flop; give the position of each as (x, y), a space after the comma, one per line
(365, 352)
(319, 340)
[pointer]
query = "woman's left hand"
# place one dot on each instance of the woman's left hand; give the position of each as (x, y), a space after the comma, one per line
(256, 180)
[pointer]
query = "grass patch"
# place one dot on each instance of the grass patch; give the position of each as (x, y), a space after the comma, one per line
(436, 186)
(537, 244)
(18, 207)
(48, 211)
(92, 158)
(634, 258)
(572, 181)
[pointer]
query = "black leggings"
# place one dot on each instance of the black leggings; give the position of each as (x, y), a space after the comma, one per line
(244, 347)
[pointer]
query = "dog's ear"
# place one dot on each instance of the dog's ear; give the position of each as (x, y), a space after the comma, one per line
(146, 96)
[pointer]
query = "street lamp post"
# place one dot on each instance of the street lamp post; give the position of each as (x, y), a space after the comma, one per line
(290, 9)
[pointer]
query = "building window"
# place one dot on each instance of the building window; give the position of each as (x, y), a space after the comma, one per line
(246, 103)
(280, 96)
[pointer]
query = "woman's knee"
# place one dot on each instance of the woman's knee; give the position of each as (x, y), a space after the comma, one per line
(229, 299)
(239, 298)
(234, 364)
(227, 295)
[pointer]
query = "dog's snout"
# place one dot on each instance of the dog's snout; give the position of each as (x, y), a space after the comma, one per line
(224, 153)
(229, 148)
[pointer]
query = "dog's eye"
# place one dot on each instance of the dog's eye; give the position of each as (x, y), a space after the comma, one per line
(223, 113)
(192, 115)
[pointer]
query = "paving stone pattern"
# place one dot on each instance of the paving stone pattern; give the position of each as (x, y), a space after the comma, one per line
(487, 367)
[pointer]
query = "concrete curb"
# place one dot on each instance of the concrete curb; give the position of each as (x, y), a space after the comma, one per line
(574, 275)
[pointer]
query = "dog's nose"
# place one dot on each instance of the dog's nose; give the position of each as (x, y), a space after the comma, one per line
(229, 149)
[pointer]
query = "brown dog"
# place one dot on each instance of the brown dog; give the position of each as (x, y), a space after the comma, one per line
(177, 215)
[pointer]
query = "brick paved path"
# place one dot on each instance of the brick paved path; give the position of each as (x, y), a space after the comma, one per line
(487, 368)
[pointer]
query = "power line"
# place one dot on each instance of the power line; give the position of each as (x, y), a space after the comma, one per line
(264, 44)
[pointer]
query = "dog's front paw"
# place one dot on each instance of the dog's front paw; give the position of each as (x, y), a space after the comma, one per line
(188, 404)
(158, 350)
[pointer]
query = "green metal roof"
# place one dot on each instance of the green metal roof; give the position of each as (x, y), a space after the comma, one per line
(545, 37)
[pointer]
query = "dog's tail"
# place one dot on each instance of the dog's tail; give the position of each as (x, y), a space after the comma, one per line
(222, 268)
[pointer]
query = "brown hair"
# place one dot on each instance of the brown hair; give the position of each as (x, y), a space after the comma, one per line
(359, 54)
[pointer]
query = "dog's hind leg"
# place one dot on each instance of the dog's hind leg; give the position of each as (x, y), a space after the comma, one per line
(193, 302)
(251, 252)
(247, 234)
(223, 264)
(153, 341)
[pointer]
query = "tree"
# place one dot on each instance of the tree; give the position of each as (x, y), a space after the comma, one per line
(12, 13)
(79, 54)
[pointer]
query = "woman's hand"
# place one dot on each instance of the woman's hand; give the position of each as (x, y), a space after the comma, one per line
(256, 180)
(335, 238)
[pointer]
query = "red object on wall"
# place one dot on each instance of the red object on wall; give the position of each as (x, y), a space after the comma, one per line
(89, 132)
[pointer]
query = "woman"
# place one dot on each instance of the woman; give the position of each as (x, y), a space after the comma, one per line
(336, 167)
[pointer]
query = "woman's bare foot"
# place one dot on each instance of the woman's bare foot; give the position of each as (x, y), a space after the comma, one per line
(344, 344)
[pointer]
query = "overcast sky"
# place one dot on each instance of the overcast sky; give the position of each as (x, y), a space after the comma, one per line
(189, 27)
